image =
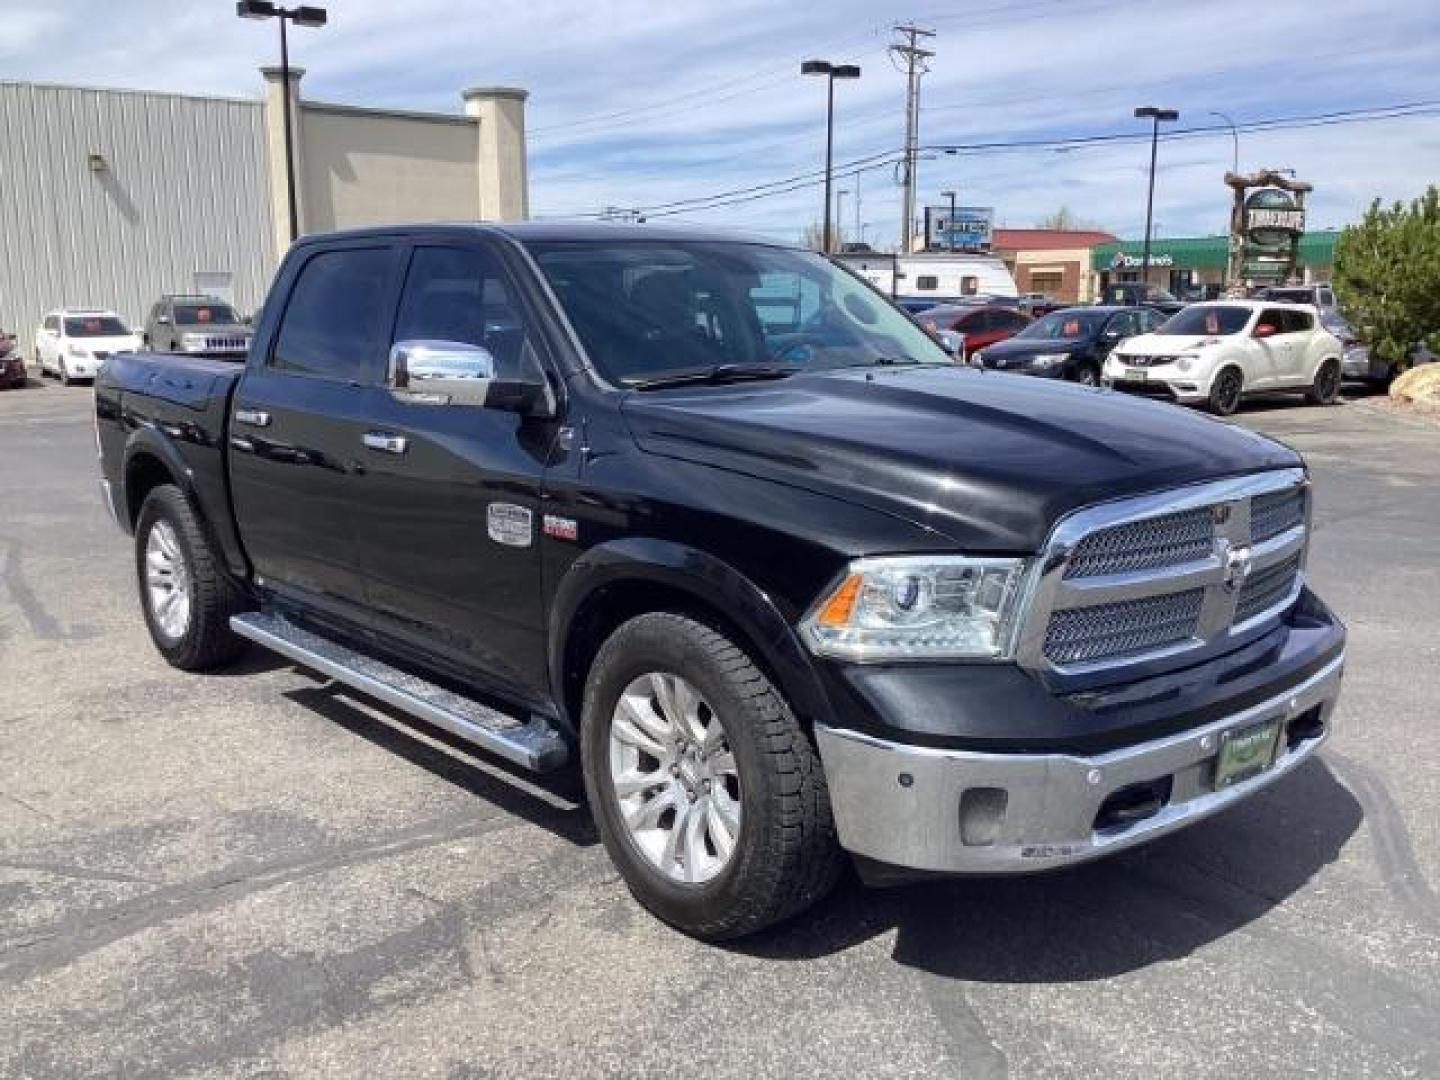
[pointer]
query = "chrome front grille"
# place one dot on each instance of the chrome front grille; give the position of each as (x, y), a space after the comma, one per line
(1276, 512)
(1167, 575)
(1266, 588)
(1126, 628)
(227, 344)
(1145, 545)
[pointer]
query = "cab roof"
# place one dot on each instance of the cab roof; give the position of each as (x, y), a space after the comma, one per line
(553, 231)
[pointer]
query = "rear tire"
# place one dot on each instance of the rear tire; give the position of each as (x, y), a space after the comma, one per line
(662, 690)
(186, 594)
(1326, 388)
(1226, 391)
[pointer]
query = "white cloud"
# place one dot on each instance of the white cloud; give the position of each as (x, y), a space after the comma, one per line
(709, 96)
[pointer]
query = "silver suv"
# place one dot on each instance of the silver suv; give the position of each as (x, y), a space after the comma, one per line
(199, 325)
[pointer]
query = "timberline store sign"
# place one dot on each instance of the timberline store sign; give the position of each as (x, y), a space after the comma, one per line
(1271, 218)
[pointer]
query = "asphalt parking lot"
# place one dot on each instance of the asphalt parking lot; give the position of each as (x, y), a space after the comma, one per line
(249, 874)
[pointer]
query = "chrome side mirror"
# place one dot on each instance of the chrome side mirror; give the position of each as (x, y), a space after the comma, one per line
(438, 372)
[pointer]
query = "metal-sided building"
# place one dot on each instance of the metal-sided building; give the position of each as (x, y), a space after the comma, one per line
(111, 198)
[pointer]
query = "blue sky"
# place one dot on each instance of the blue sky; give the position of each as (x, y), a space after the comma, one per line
(643, 103)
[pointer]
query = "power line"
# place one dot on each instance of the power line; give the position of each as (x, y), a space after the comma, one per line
(787, 185)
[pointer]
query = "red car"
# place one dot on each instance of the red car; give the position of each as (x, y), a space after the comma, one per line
(981, 325)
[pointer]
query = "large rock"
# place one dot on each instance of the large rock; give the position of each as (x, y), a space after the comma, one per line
(1421, 384)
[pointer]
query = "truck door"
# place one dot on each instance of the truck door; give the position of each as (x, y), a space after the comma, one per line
(449, 521)
(298, 421)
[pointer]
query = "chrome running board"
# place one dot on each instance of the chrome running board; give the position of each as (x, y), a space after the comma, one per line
(534, 744)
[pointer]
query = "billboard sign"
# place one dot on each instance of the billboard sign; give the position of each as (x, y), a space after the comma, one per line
(971, 229)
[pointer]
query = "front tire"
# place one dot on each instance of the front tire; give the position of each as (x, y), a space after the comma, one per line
(1087, 375)
(709, 796)
(1326, 388)
(1226, 391)
(186, 595)
(64, 373)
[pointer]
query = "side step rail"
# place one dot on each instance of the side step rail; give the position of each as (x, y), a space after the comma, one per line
(534, 744)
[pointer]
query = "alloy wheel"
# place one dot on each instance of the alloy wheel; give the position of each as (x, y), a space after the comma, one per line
(675, 778)
(167, 580)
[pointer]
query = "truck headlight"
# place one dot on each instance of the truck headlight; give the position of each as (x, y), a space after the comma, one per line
(77, 352)
(919, 608)
(192, 342)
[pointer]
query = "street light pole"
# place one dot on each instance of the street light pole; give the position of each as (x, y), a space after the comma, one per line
(950, 223)
(1234, 140)
(289, 136)
(300, 16)
(1155, 115)
(831, 72)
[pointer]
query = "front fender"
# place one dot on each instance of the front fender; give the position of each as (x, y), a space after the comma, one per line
(710, 581)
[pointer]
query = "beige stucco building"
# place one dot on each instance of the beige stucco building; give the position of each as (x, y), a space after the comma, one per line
(1055, 262)
(111, 198)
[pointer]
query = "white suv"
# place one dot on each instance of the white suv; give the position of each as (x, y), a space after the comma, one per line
(72, 343)
(1213, 354)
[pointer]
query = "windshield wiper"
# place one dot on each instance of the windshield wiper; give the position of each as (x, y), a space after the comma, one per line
(715, 375)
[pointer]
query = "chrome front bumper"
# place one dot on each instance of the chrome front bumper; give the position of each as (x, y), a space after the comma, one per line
(943, 811)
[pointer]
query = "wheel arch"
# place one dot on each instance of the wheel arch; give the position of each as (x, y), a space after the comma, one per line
(617, 581)
(151, 460)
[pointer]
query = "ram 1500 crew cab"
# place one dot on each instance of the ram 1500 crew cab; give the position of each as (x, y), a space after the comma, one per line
(715, 519)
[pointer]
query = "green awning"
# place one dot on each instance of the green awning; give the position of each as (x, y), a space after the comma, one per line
(1199, 252)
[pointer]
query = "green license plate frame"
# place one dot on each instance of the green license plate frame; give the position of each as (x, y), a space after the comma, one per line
(1247, 751)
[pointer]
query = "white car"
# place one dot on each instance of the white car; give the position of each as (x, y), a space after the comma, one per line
(72, 343)
(1215, 353)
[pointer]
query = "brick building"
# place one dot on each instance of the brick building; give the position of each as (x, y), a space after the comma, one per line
(1055, 262)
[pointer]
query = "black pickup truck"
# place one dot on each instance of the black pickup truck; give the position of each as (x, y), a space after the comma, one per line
(714, 518)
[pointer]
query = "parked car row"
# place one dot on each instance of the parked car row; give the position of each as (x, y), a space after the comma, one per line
(72, 343)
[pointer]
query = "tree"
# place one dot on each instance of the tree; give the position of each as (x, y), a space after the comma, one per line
(813, 236)
(1065, 220)
(1387, 276)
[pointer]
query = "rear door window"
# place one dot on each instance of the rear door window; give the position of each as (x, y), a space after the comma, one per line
(333, 326)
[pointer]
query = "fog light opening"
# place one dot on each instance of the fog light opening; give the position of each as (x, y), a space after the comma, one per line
(1308, 725)
(982, 814)
(1132, 804)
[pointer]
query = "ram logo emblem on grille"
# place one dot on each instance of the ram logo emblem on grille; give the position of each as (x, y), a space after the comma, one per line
(1237, 567)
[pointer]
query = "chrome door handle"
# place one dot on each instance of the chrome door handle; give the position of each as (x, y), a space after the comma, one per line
(253, 417)
(384, 440)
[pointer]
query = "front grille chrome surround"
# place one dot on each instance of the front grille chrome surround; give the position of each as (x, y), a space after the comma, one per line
(1168, 578)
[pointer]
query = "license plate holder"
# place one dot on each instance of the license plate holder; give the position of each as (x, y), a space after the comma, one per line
(1137, 374)
(1247, 751)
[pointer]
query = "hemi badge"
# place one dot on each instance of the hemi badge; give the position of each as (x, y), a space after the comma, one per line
(561, 528)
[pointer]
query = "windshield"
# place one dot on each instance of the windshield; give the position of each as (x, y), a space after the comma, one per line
(645, 310)
(1211, 321)
(94, 326)
(1065, 326)
(204, 314)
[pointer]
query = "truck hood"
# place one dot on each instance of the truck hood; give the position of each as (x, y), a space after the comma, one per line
(989, 460)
